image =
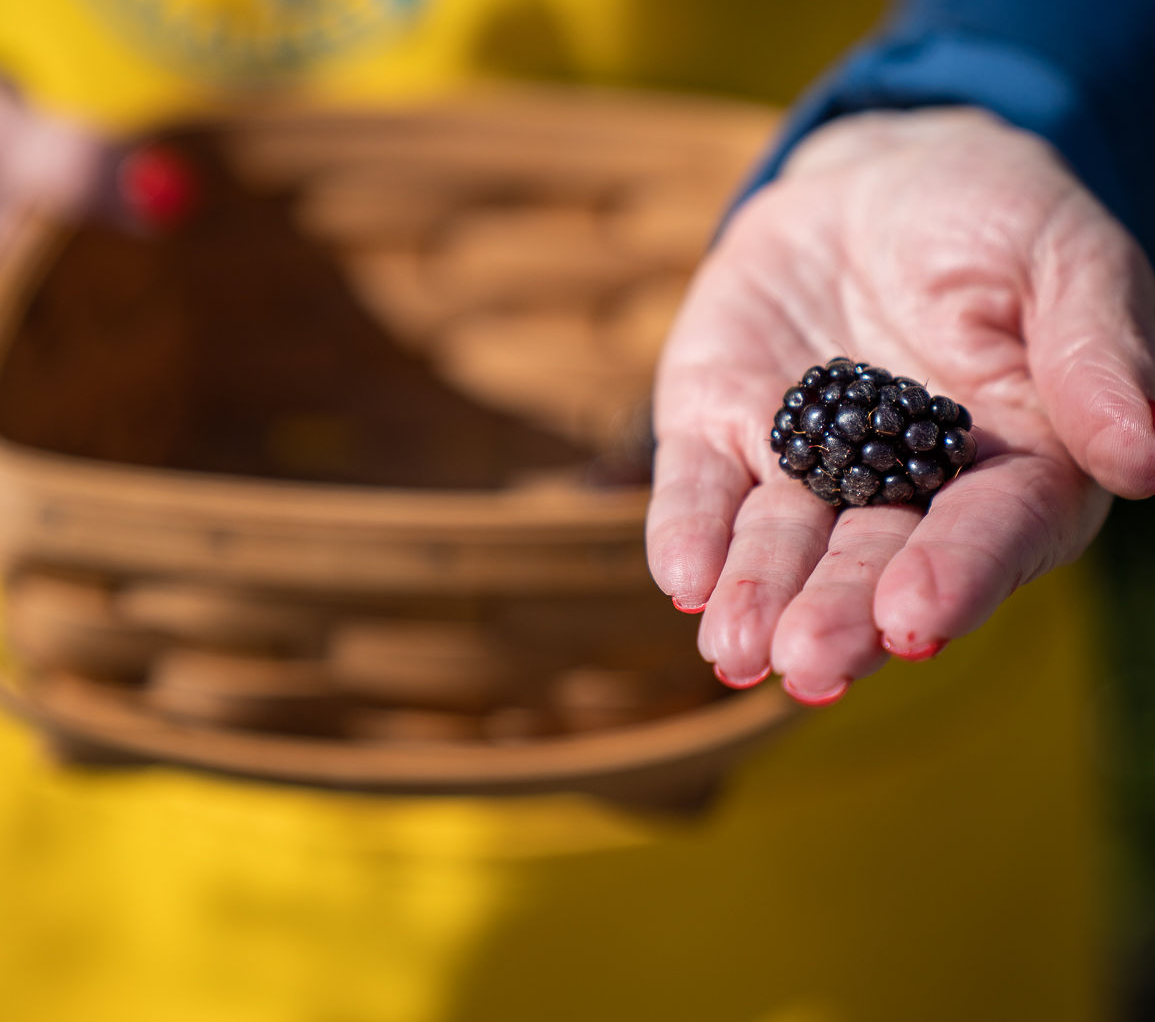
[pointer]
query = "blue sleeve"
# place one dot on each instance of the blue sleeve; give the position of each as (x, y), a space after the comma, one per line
(1080, 73)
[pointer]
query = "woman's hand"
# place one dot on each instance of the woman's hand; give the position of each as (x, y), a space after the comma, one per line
(944, 246)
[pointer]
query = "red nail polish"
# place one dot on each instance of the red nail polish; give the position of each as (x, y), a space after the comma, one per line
(823, 700)
(687, 610)
(157, 185)
(914, 653)
(740, 682)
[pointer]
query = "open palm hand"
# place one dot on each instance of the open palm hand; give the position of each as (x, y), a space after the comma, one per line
(943, 246)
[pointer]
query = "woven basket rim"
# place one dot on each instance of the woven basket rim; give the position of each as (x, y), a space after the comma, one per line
(583, 510)
(716, 732)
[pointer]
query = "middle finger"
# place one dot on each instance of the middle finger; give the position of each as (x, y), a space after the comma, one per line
(827, 636)
(779, 534)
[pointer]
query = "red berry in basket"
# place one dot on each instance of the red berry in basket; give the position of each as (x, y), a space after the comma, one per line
(158, 186)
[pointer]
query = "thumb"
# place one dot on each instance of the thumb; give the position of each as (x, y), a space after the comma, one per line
(1089, 336)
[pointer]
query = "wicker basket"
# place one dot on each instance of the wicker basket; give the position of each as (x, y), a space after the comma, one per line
(343, 483)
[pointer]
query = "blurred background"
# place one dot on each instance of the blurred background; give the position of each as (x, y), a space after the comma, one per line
(492, 254)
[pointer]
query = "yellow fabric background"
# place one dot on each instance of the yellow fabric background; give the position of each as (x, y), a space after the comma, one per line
(100, 61)
(926, 849)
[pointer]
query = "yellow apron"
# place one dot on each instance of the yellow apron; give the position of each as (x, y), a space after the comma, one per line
(122, 64)
(927, 849)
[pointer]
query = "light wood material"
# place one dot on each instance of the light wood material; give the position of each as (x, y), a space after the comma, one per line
(412, 727)
(103, 516)
(449, 665)
(220, 617)
(658, 756)
(244, 691)
(69, 622)
(345, 484)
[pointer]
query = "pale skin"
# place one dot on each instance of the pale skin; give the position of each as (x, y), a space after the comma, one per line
(64, 169)
(948, 247)
(940, 244)
(45, 162)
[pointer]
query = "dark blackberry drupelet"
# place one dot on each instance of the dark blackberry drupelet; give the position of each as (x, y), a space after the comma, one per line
(795, 399)
(879, 454)
(837, 452)
(854, 434)
(800, 454)
(813, 421)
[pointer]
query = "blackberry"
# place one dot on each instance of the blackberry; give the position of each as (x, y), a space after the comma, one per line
(888, 394)
(860, 392)
(855, 434)
(879, 454)
(840, 370)
(887, 420)
(790, 470)
(785, 421)
(926, 473)
(813, 421)
(877, 376)
(958, 446)
(824, 485)
(831, 396)
(800, 454)
(837, 452)
(943, 409)
(921, 435)
(794, 399)
(814, 378)
(859, 484)
(851, 421)
(915, 401)
(896, 489)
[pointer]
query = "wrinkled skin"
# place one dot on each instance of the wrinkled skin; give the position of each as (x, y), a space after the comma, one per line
(948, 247)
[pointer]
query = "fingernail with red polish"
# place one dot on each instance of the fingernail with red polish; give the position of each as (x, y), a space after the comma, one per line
(913, 651)
(740, 682)
(678, 605)
(158, 186)
(819, 699)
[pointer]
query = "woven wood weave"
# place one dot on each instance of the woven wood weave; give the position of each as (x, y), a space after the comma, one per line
(343, 482)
